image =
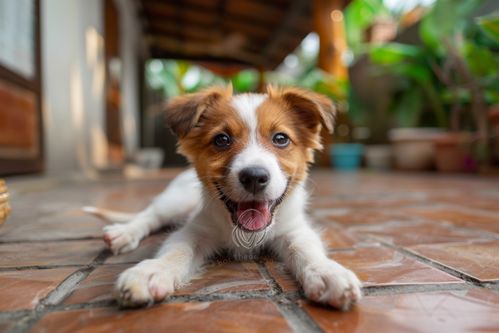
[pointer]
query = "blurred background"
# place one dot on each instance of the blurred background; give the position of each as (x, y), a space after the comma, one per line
(83, 82)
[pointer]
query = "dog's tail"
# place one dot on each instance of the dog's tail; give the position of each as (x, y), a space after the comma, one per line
(108, 215)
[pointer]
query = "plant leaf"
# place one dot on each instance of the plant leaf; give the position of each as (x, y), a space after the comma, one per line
(394, 53)
(490, 25)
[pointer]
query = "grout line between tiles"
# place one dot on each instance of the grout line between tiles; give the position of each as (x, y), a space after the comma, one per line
(494, 285)
(295, 316)
(55, 240)
(38, 267)
(13, 315)
(230, 296)
(264, 272)
(413, 288)
(81, 306)
(42, 267)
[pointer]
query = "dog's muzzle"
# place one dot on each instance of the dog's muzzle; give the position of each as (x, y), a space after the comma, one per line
(250, 216)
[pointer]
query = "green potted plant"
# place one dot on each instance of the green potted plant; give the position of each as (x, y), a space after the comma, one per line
(418, 115)
(489, 26)
(393, 87)
(452, 72)
(466, 66)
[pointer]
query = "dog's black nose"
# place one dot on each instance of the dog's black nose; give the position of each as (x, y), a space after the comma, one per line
(254, 179)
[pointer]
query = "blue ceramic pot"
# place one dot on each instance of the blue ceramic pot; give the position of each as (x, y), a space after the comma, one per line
(347, 156)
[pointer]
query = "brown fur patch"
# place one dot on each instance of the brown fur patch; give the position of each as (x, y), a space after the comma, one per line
(184, 112)
(210, 162)
(299, 114)
(313, 109)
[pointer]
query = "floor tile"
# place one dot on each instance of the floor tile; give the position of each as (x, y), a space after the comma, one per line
(24, 289)
(130, 196)
(477, 259)
(72, 196)
(338, 238)
(416, 233)
(218, 316)
(49, 253)
(472, 311)
(350, 217)
(53, 227)
(375, 266)
(146, 250)
(370, 202)
(381, 266)
(477, 200)
(98, 286)
(226, 277)
(459, 216)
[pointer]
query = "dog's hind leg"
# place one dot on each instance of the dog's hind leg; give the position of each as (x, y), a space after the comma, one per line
(175, 204)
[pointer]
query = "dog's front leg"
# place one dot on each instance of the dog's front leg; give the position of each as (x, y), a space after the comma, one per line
(153, 280)
(323, 280)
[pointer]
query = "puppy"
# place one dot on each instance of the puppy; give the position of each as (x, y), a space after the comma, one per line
(250, 155)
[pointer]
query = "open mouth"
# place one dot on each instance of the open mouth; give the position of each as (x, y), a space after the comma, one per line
(251, 216)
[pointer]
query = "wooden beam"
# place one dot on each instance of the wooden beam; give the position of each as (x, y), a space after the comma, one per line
(211, 50)
(243, 45)
(254, 30)
(170, 11)
(170, 28)
(256, 11)
(204, 14)
(159, 53)
(297, 7)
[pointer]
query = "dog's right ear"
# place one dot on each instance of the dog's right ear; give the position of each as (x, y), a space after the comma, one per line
(184, 112)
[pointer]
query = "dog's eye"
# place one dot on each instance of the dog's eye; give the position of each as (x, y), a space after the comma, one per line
(280, 140)
(222, 140)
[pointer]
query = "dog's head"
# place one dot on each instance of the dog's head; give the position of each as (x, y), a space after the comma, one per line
(250, 150)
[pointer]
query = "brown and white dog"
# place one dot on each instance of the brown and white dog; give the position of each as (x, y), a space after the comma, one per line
(246, 192)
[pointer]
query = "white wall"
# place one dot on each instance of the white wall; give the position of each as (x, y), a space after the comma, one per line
(73, 82)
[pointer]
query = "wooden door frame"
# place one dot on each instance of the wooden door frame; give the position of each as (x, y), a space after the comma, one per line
(36, 164)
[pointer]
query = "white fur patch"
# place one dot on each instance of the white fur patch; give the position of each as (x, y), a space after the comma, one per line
(254, 154)
(246, 105)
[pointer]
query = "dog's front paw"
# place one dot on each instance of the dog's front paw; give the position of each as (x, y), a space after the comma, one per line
(120, 238)
(332, 284)
(144, 284)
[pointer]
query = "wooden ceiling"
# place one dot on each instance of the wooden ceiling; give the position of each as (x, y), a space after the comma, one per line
(257, 33)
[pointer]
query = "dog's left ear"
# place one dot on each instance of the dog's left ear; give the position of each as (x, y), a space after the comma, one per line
(315, 110)
(184, 112)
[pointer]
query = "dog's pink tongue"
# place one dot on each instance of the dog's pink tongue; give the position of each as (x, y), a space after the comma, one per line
(253, 215)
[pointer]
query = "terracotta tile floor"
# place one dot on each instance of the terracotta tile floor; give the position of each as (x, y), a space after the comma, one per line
(425, 246)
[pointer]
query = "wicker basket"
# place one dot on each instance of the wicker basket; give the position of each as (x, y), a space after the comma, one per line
(4, 202)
